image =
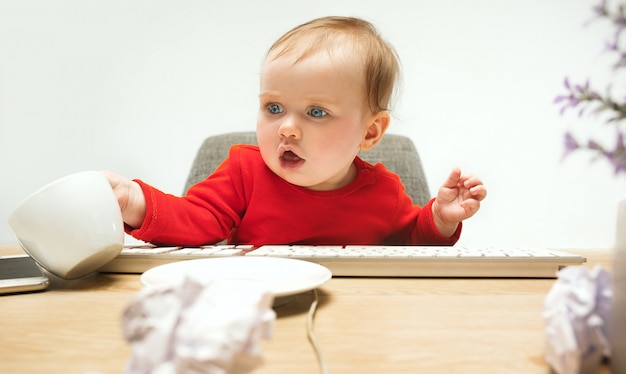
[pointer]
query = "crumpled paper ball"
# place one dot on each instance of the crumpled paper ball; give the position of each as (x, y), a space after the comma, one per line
(195, 327)
(577, 319)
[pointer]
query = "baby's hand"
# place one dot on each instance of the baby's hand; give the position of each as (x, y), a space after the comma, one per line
(130, 197)
(457, 199)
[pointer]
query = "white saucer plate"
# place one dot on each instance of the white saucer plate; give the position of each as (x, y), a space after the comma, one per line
(283, 276)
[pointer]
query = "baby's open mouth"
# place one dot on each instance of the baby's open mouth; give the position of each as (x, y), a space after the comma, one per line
(290, 160)
(290, 156)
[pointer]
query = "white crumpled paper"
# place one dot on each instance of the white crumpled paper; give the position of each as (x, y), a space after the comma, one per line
(195, 327)
(577, 320)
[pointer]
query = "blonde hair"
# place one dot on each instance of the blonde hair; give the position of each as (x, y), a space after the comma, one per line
(380, 60)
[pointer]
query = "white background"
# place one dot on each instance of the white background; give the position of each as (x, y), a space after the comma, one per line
(135, 86)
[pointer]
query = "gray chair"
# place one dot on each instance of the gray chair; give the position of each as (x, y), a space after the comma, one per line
(396, 152)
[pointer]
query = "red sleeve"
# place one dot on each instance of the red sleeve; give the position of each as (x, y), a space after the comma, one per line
(411, 224)
(206, 215)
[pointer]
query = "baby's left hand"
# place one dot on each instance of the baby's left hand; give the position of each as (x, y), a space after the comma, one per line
(458, 199)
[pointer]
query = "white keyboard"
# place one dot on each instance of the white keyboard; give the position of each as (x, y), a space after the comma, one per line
(370, 261)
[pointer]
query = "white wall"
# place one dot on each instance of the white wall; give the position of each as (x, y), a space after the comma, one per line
(134, 86)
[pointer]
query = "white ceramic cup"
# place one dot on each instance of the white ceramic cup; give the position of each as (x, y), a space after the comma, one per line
(72, 226)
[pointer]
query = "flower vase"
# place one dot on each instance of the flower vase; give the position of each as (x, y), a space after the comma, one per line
(618, 308)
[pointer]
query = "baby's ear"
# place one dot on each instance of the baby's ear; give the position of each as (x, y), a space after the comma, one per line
(378, 124)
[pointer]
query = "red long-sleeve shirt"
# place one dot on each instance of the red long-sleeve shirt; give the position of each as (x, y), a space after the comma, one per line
(246, 203)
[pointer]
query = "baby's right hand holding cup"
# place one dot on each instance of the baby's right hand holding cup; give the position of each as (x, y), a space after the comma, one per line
(130, 197)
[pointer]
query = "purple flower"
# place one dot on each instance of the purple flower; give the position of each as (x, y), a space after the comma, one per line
(600, 9)
(592, 144)
(618, 155)
(570, 144)
(588, 101)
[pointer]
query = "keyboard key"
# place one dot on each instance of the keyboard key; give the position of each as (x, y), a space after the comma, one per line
(185, 251)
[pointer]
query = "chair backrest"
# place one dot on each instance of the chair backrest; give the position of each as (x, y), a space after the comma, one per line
(396, 152)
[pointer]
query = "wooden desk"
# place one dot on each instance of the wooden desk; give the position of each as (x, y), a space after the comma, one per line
(362, 325)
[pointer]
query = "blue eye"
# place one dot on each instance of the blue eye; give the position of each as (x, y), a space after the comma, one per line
(274, 109)
(317, 112)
